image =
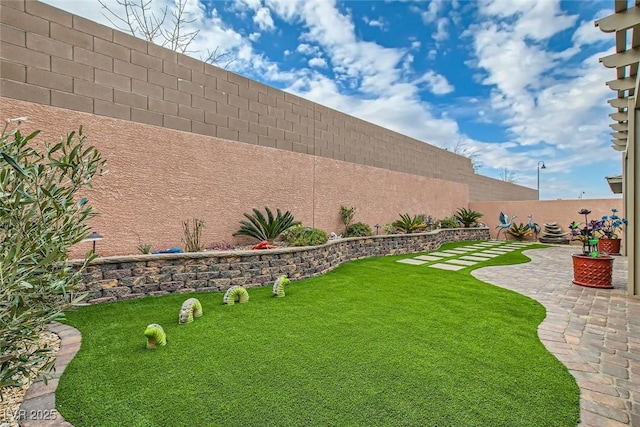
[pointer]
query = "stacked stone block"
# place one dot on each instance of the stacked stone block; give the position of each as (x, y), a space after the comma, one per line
(119, 278)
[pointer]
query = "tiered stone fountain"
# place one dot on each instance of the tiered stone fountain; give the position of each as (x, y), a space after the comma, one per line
(553, 234)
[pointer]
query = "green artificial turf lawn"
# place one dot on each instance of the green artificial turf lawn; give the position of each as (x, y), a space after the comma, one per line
(374, 342)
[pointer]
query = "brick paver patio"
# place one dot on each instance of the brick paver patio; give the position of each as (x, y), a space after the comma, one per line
(594, 332)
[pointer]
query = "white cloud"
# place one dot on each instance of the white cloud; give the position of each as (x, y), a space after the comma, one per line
(318, 62)
(545, 99)
(587, 34)
(307, 49)
(263, 19)
(432, 54)
(289, 10)
(416, 44)
(430, 15)
(441, 33)
(380, 22)
(535, 20)
(248, 4)
(437, 83)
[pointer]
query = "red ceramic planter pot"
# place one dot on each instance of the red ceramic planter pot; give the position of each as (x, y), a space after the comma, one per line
(594, 272)
(609, 246)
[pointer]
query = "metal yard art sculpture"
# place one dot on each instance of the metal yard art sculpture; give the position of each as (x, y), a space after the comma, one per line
(505, 223)
(535, 227)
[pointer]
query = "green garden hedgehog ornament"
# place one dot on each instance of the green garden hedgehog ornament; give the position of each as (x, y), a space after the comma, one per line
(278, 286)
(233, 292)
(155, 336)
(190, 308)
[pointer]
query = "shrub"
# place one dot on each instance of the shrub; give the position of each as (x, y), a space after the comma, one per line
(388, 228)
(192, 235)
(299, 235)
(448, 222)
(346, 216)
(358, 229)
(144, 248)
(468, 217)
(519, 231)
(408, 224)
(268, 228)
(221, 246)
(41, 217)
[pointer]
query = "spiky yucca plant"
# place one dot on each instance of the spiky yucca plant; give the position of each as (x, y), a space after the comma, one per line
(408, 224)
(268, 228)
(520, 231)
(467, 216)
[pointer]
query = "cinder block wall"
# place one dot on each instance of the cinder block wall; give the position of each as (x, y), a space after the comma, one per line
(160, 177)
(51, 57)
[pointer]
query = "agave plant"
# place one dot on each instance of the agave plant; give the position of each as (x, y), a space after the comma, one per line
(520, 231)
(467, 216)
(408, 224)
(268, 228)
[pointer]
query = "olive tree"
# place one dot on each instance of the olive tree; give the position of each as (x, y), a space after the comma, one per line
(41, 217)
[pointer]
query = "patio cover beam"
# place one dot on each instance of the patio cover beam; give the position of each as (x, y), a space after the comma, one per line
(621, 127)
(621, 59)
(618, 102)
(619, 21)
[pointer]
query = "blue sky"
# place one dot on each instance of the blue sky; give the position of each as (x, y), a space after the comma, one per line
(515, 82)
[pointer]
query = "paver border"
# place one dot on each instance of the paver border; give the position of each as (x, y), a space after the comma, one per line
(40, 399)
(591, 331)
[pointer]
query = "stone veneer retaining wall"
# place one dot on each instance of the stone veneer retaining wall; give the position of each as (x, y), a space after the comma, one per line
(118, 278)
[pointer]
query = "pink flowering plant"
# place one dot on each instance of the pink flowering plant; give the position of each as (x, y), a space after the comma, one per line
(611, 224)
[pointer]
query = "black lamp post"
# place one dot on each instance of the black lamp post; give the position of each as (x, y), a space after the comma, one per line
(377, 226)
(540, 167)
(93, 237)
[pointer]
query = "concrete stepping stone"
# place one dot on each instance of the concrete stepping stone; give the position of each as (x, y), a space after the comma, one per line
(461, 262)
(450, 267)
(453, 252)
(488, 254)
(412, 261)
(463, 249)
(474, 258)
(441, 254)
(428, 258)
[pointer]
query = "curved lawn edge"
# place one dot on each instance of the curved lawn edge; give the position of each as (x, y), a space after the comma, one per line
(553, 333)
(519, 253)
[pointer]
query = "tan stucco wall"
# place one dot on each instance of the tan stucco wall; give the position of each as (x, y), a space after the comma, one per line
(159, 177)
(51, 57)
(544, 211)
